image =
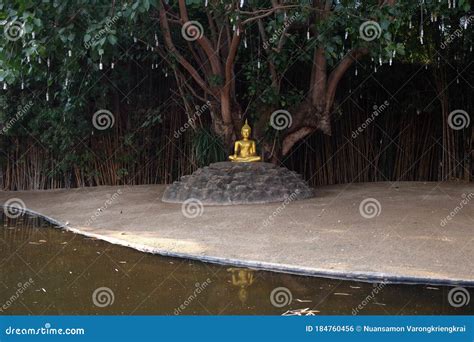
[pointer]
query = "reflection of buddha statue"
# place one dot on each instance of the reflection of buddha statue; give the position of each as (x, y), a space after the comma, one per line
(245, 150)
(242, 278)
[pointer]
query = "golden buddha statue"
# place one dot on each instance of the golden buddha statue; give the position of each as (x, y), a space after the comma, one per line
(245, 150)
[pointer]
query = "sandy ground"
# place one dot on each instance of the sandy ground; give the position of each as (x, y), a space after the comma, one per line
(326, 235)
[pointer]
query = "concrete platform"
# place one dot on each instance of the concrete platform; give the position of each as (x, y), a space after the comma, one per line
(406, 237)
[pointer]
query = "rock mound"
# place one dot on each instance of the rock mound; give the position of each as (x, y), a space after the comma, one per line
(228, 183)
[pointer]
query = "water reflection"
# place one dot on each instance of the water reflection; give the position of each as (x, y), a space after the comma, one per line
(242, 278)
(63, 271)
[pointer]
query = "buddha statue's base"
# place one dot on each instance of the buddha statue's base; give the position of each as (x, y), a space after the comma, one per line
(228, 183)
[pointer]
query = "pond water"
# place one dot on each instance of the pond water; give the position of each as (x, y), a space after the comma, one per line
(49, 271)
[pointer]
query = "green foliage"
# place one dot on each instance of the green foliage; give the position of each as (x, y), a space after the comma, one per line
(208, 147)
(76, 36)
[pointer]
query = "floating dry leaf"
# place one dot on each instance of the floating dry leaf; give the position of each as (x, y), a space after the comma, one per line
(300, 312)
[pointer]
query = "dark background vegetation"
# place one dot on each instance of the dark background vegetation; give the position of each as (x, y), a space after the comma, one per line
(55, 144)
(404, 142)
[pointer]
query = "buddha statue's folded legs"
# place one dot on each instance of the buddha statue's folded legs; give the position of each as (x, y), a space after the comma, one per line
(245, 159)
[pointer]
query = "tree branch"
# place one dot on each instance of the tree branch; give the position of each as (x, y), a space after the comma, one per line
(170, 45)
(203, 41)
(338, 72)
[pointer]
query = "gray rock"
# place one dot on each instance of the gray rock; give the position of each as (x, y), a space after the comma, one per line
(228, 183)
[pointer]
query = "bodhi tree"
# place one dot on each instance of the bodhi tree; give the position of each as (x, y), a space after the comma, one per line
(207, 58)
(328, 36)
(238, 55)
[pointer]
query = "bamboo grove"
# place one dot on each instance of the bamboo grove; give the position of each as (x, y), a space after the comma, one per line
(361, 111)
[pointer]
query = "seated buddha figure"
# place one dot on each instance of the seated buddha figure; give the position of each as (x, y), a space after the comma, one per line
(245, 150)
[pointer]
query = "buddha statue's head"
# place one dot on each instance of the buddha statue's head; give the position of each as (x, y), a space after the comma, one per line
(246, 130)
